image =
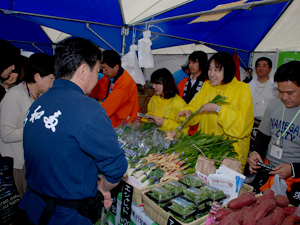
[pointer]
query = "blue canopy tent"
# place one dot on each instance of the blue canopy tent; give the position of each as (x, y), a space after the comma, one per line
(103, 22)
(24, 34)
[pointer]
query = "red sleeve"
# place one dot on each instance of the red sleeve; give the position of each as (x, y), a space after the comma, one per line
(100, 90)
(181, 86)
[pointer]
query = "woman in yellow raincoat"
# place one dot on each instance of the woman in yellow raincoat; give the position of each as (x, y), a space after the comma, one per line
(234, 119)
(165, 103)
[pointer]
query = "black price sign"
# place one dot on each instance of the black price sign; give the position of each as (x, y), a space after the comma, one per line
(126, 204)
(172, 221)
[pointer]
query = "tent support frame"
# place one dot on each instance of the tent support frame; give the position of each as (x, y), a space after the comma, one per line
(246, 6)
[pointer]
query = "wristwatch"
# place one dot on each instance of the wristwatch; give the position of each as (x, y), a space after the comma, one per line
(218, 109)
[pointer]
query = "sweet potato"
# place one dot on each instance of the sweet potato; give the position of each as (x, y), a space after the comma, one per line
(267, 194)
(275, 217)
(248, 218)
(264, 208)
(231, 217)
(289, 210)
(246, 209)
(291, 219)
(221, 213)
(244, 199)
(282, 201)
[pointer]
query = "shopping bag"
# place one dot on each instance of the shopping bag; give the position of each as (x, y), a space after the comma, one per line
(279, 186)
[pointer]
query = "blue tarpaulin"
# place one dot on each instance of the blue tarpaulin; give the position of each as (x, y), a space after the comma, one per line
(102, 22)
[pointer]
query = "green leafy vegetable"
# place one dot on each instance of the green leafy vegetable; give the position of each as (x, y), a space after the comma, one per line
(175, 187)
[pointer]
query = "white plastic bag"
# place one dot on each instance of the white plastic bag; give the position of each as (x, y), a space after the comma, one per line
(131, 65)
(144, 51)
(279, 187)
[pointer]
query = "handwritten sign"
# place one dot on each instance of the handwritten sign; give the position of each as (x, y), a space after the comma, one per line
(126, 204)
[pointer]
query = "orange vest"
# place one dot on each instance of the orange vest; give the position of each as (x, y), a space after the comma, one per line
(122, 104)
(181, 86)
(289, 181)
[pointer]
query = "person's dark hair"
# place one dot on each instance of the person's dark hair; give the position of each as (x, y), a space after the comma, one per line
(111, 58)
(289, 71)
(71, 53)
(224, 59)
(8, 55)
(40, 63)
(164, 76)
(269, 61)
(201, 58)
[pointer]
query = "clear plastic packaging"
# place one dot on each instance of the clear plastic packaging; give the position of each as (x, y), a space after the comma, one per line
(181, 207)
(192, 181)
(213, 193)
(196, 195)
(175, 187)
(160, 195)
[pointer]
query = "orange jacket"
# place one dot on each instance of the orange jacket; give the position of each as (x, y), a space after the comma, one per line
(181, 86)
(122, 104)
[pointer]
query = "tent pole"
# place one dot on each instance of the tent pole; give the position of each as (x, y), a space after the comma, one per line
(250, 60)
(90, 29)
(124, 33)
(246, 6)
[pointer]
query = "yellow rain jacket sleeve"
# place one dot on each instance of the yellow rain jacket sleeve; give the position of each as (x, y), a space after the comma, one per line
(235, 119)
(168, 110)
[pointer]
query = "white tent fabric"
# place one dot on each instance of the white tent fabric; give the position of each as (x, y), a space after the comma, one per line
(183, 49)
(284, 35)
(137, 10)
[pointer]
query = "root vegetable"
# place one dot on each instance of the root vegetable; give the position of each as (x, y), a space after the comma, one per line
(264, 208)
(275, 217)
(289, 210)
(290, 220)
(234, 216)
(244, 199)
(221, 213)
(248, 218)
(282, 201)
(267, 194)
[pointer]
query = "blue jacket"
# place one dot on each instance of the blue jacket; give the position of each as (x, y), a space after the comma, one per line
(68, 139)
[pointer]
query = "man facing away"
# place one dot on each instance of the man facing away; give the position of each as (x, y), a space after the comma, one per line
(117, 90)
(68, 140)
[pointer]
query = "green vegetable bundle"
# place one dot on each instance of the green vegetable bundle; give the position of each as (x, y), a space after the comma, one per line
(211, 145)
(182, 206)
(160, 194)
(213, 193)
(195, 195)
(192, 181)
(175, 187)
(217, 100)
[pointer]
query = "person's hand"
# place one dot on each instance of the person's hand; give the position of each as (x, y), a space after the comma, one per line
(252, 160)
(106, 196)
(283, 170)
(12, 79)
(158, 121)
(185, 114)
(209, 107)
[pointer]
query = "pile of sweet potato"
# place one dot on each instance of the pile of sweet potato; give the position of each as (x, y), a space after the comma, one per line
(263, 210)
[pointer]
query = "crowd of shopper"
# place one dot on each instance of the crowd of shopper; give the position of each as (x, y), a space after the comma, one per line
(52, 127)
